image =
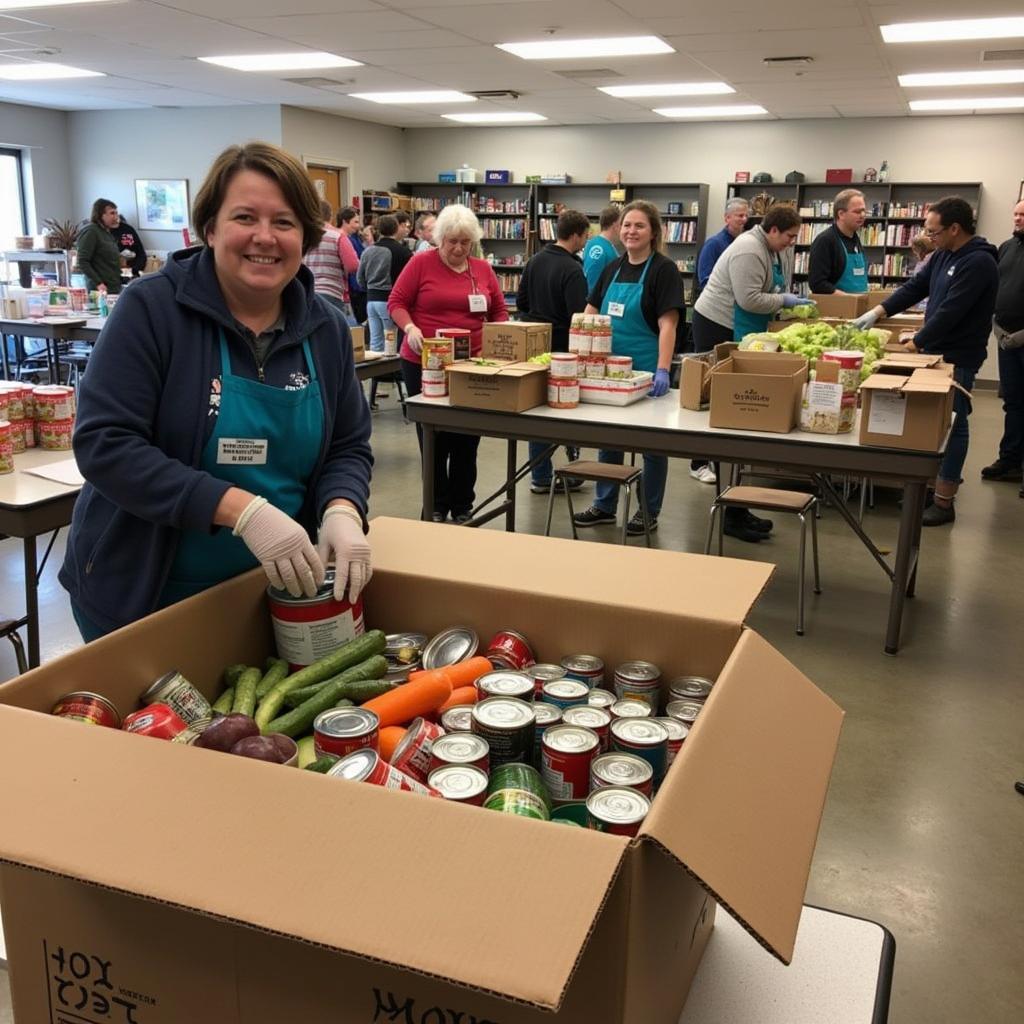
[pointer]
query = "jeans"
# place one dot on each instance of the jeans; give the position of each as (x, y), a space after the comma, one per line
(454, 458)
(655, 478)
(541, 472)
(89, 630)
(1011, 377)
(378, 322)
(960, 436)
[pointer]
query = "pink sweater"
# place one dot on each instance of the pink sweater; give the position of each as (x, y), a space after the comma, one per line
(429, 294)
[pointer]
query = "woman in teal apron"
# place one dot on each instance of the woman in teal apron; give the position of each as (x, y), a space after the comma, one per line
(221, 426)
(642, 292)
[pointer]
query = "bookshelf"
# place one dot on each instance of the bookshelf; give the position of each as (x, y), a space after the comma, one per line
(896, 212)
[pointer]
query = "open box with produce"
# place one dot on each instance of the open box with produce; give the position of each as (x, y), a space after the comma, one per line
(188, 883)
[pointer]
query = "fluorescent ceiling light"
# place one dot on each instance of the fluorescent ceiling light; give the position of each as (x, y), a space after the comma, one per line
(420, 96)
(736, 110)
(281, 61)
(570, 49)
(43, 72)
(953, 31)
(669, 89)
(961, 78)
(497, 117)
(24, 5)
(961, 103)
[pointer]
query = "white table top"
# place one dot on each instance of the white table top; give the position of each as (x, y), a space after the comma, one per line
(20, 489)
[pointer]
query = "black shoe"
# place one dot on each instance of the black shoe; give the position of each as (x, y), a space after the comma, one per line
(1003, 469)
(752, 522)
(574, 484)
(635, 527)
(461, 518)
(373, 407)
(1019, 786)
(438, 517)
(593, 516)
(741, 531)
(938, 515)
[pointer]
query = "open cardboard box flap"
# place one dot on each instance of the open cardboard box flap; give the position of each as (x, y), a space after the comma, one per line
(321, 860)
(502, 368)
(745, 827)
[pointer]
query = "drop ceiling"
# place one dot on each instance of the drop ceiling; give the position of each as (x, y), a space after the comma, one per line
(148, 51)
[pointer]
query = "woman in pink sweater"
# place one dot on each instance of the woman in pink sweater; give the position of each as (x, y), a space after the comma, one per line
(447, 287)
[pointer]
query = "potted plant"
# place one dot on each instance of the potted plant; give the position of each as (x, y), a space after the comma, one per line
(60, 234)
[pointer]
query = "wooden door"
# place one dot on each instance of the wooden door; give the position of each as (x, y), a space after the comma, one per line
(328, 184)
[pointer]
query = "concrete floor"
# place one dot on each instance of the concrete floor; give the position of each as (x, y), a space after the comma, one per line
(922, 830)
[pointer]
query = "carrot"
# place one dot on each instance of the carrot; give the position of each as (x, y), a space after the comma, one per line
(390, 737)
(463, 695)
(417, 697)
(461, 674)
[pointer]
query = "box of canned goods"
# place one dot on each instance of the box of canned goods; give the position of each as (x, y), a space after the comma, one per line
(638, 680)
(691, 688)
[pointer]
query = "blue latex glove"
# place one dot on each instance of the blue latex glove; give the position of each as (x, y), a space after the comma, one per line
(789, 301)
(867, 321)
(660, 385)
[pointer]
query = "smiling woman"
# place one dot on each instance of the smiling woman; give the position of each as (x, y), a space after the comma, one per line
(228, 387)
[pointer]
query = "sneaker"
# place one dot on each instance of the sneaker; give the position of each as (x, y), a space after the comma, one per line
(438, 517)
(741, 531)
(938, 515)
(574, 484)
(593, 516)
(461, 518)
(753, 522)
(635, 527)
(706, 475)
(1002, 469)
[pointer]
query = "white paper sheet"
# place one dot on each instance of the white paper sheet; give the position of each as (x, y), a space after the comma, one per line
(888, 414)
(63, 472)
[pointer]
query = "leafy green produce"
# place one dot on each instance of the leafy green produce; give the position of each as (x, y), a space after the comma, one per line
(805, 311)
(544, 359)
(763, 341)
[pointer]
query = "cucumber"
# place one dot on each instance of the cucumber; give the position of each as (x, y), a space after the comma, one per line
(277, 669)
(343, 703)
(362, 690)
(307, 752)
(301, 718)
(231, 674)
(352, 653)
(224, 701)
(302, 694)
(323, 764)
(245, 692)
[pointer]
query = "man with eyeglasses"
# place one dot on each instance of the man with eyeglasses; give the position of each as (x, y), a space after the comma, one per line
(960, 282)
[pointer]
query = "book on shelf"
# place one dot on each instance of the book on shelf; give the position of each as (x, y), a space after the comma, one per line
(809, 232)
(503, 230)
(680, 232)
(902, 234)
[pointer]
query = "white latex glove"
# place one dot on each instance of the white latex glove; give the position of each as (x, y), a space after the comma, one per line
(343, 542)
(128, 254)
(414, 336)
(282, 547)
(867, 321)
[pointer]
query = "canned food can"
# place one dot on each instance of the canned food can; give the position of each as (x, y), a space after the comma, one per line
(563, 392)
(412, 755)
(601, 699)
(54, 435)
(645, 738)
(458, 719)
(308, 628)
(505, 683)
(460, 783)
(434, 384)
(518, 789)
(619, 812)
(368, 766)
(176, 691)
(20, 429)
(15, 395)
(638, 680)
(692, 688)
(462, 339)
(586, 667)
(90, 708)
(509, 649)
(619, 366)
(544, 673)
(566, 755)
(619, 769)
(390, 343)
(677, 733)
(593, 366)
(343, 731)
(461, 748)
(450, 646)
(437, 353)
(565, 693)
(508, 725)
(579, 342)
(565, 364)
(597, 720)
(6, 448)
(157, 720)
(631, 709)
(545, 716)
(30, 433)
(53, 402)
(685, 711)
(601, 341)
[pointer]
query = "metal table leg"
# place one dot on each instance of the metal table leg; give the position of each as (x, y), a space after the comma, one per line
(32, 601)
(510, 488)
(428, 456)
(906, 559)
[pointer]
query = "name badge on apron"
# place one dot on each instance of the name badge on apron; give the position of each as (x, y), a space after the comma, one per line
(477, 303)
(858, 271)
(616, 308)
(241, 451)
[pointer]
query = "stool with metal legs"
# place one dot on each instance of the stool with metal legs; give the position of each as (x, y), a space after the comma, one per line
(608, 472)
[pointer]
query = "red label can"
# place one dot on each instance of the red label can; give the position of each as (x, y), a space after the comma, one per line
(412, 755)
(368, 766)
(566, 755)
(158, 720)
(461, 748)
(460, 782)
(509, 649)
(91, 708)
(596, 719)
(343, 731)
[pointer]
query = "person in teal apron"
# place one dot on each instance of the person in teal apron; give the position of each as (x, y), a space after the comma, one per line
(745, 322)
(642, 293)
(836, 262)
(221, 426)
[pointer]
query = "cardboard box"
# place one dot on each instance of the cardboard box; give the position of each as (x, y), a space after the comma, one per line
(907, 412)
(905, 363)
(695, 375)
(758, 391)
(219, 890)
(842, 307)
(518, 340)
(507, 386)
(358, 343)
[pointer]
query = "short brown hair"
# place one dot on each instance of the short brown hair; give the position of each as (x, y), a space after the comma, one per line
(99, 208)
(402, 217)
(610, 216)
(650, 211)
(386, 225)
(782, 217)
(345, 214)
(842, 199)
(273, 163)
(571, 222)
(326, 213)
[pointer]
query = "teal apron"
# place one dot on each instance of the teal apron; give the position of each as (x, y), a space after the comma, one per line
(854, 278)
(744, 322)
(631, 336)
(290, 424)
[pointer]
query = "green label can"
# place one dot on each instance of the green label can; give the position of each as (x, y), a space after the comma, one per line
(518, 789)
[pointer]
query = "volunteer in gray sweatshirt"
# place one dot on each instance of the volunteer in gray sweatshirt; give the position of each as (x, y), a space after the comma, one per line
(749, 283)
(379, 267)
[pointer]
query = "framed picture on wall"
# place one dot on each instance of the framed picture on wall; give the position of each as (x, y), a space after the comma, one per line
(162, 203)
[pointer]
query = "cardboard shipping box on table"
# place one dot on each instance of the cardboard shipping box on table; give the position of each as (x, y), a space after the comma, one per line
(358, 343)
(843, 307)
(198, 886)
(914, 411)
(503, 386)
(695, 375)
(905, 363)
(758, 391)
(517, 340)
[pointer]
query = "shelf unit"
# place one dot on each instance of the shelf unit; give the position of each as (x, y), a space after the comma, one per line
(897, 208)
(59, 258)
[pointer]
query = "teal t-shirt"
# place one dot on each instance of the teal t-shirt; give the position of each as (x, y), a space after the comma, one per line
(597, 254)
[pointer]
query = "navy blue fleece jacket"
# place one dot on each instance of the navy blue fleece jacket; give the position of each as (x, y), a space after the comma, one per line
(961, 291)
(144, 415)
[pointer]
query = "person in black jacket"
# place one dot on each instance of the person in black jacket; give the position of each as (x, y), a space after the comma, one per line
(960, 282)
(836, 261)
(130, 246)
(552, 288)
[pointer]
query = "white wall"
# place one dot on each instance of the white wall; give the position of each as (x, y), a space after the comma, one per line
(111, 148)
(43, 134)
(375, 153)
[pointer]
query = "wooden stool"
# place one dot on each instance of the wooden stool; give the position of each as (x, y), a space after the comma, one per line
(609, 472)
(769, 499)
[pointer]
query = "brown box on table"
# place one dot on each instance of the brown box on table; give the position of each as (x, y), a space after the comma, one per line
(913, 411)
(504, 386)
(517, 340)
(695, 375)
(358, 343)
(758, 391)
(842, 307)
